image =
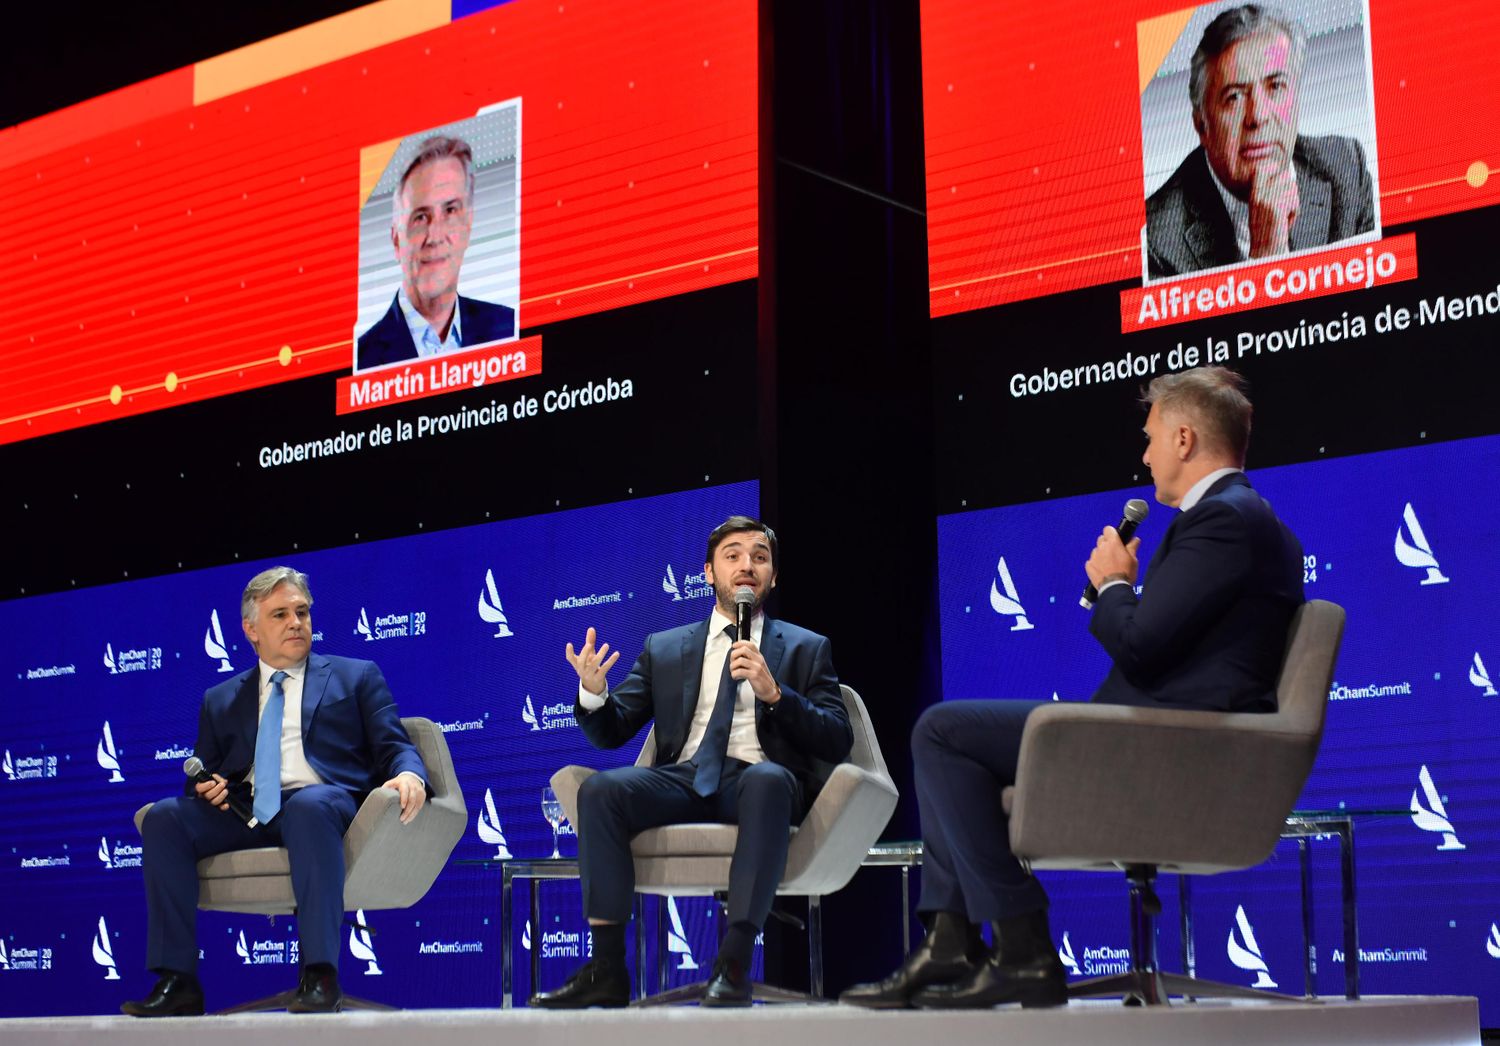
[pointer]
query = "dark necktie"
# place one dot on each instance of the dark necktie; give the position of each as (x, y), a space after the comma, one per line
(268, 754)
(715, 744)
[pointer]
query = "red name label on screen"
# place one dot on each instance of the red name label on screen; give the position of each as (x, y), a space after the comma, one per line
(440, 374)
(1356, 267)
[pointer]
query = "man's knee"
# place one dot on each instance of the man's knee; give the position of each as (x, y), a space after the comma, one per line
(598, 793)
(767, 783)
(162, 819)
(931, 730)
(311, 809)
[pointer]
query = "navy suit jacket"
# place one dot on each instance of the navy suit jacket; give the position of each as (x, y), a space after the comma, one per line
(351, 732)
(389, 338)
(1210, 626)
(1187, 227)
(805, 731)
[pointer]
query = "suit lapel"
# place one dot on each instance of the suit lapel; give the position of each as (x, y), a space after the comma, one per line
(244, 708)
(1314, 211)
(314, 687)
(772, 648)
(692, 671)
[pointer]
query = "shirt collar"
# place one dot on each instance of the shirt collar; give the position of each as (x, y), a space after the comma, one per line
(720, 620)
(1239, 211)
(420, 328)
(295, 671)
(1197, 490)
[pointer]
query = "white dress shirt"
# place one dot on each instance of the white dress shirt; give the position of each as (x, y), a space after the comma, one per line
(744, 741)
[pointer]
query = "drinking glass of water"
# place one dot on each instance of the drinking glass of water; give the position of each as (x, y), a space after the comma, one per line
(552, 810)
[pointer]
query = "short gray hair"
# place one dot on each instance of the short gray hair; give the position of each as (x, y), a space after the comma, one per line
(266, 582)
(1235, 24)
(1213, 399)
(438, 147)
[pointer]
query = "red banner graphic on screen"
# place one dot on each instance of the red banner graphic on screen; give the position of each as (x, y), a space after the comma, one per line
(1337, 271)
(202, 228)
(439, 375)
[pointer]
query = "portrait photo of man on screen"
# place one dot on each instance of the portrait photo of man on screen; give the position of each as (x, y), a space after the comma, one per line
(437, 218)
(1257, 186)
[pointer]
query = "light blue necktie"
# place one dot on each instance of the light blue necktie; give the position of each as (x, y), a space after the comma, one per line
(268, 754)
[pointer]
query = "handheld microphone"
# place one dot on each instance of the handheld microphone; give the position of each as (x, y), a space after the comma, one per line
(744, 610)
(193, 767)
(1135, 511)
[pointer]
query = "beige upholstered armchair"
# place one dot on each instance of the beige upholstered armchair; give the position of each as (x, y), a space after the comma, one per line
(386, 864)
(825, 851)
(1110, 787)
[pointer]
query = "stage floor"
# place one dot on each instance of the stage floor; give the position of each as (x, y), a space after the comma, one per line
(1404, 1020)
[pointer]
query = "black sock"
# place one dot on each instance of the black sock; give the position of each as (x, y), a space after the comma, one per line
(609, 942)
(739, 941)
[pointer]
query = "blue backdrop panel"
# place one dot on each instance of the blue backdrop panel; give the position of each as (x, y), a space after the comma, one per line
(1400, 540)
(99, 697)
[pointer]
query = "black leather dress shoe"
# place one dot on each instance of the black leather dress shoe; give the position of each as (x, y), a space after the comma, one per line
(175, 995)
(1040, 981)
(936, 960)
(317, 991)
(729, 985)
(598, 982)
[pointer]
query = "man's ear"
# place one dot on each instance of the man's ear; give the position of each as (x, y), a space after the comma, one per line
(1198, 123)
(1187, 442)
(708, 572)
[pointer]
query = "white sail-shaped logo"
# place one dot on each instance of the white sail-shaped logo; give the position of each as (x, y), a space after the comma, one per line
(104, 953)
(489, 828)
(362, 626)
(108, 757)
(528, 714)
(1248, 957)
(1417, 552)
(360, 945)
(669, 584)
(491, 611)
(109, 660)
(1008, 603)
(4, 958)
(104, 854)
(1492, 945)
(213, 642)
(1433, 816)
(8, 766)
(526, 935)
(1065, 953)
(242, 949)
(677, 942)
(1480, 677)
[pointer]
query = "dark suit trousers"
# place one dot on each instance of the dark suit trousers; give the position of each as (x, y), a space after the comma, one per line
(762, 798)
(177, 833)
(965, 754)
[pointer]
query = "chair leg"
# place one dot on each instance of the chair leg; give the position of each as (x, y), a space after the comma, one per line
(1144, 983)
(279, 1001)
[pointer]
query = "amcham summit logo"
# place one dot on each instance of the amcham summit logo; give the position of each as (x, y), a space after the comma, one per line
(1480, 677)
(108, 756)
(1432, 815)
(213, 643)
(490, 610)
(693, 586)
(1004, 599)
(489, 829)
(1417, 552)
(104, 952)
(1245, 952)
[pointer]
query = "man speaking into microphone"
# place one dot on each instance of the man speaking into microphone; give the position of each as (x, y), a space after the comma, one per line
(742, 724)
(1206, 632)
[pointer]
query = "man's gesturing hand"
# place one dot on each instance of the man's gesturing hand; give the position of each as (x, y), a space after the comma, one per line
(592, 665)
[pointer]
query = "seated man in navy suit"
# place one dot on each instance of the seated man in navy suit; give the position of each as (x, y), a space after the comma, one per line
(1207, 632)
(431, 220)
(742, 724)
(298, 741)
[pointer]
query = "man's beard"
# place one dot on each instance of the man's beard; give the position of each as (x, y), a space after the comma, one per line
(724, 594)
